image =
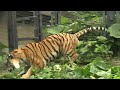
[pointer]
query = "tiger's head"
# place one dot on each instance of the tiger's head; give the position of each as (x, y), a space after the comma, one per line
(14, 58)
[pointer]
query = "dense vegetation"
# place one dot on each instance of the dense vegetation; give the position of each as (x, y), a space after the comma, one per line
(94, 53)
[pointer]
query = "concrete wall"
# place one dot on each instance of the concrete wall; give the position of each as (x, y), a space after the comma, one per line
(24, 30)
(3, 28)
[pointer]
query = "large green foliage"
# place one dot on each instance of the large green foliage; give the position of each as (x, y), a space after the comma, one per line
(97, 69)
(115, 30)
(83, 20)
(88, 50)
(65, 20)
(63, 28)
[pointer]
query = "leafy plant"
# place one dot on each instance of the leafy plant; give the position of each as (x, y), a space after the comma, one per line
(2, 54)
(88, 50)
(63, 28)
(65, 20)
(97, 69)
(83, 20)
(114, 30)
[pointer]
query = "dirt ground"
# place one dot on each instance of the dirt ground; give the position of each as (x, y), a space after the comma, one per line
(115, 61)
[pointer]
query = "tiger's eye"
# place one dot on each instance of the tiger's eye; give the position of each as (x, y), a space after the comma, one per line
(10, 56)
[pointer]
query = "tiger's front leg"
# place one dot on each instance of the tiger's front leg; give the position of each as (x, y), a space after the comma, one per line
(27, 74)
(24, 71)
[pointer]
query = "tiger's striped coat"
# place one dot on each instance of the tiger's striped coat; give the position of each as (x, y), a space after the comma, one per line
(39, 54)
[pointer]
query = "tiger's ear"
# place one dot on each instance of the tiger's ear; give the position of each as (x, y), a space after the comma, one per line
(17, 51)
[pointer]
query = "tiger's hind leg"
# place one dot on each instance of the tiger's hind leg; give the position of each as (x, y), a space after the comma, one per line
(73, 56)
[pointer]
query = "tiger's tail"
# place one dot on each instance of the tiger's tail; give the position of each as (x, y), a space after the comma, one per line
(90, 29)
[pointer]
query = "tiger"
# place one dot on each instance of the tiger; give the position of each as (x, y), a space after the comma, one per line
(38, 54)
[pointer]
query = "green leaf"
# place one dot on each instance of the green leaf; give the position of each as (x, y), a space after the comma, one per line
(92, 77)
(91, 43)
(2, 46)
(105, 74)
(102, 48)
(56, 29)
(100, 64)
(86, 70)
(102, 38)
(84, 50)
(93, 69)
(116, 77)
(79, 43)
(65, 20)
(1, 58)
(74, 26)
(114, 30)
(115, 70)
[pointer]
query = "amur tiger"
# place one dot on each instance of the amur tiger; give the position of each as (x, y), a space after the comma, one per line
(39, 54)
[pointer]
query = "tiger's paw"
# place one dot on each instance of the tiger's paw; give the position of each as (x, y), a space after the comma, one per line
(21, 73)
(25, 76)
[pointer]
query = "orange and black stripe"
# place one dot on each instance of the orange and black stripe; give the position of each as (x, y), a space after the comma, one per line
(53, 45)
